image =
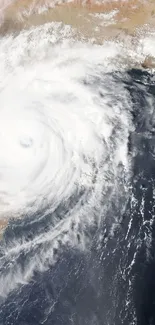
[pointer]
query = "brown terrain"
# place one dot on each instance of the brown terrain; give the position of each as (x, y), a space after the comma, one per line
(130, 17)
(3, 224)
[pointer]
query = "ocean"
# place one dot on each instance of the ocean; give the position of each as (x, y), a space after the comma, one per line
(77, 176)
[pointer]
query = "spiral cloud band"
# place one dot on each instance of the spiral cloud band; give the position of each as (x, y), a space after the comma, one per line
(64, 127)
(54, 127)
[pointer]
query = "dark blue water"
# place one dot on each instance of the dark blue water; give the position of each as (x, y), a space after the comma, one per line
(113, 283)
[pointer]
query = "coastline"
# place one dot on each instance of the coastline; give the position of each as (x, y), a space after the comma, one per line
(129, 16)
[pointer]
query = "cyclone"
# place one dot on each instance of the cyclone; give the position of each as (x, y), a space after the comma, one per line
(56, 129)
(64, 127)
(77, 158)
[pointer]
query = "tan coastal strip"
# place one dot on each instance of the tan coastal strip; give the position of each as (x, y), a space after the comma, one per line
(15, 6)
(3, 224)
(131, 14)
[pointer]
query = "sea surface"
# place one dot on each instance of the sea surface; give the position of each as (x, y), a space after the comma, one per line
(77, 176)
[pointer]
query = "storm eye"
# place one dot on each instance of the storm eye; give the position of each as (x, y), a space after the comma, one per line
(26, 142)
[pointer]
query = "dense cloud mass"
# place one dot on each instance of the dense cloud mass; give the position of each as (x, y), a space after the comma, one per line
(76, 179)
